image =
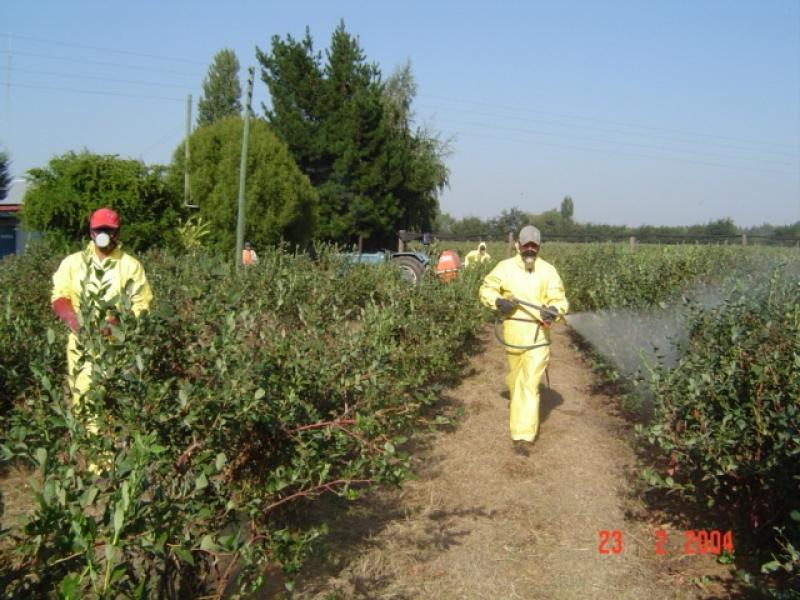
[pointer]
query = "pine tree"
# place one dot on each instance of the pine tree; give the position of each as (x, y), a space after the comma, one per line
(350, 134)
(222, 91)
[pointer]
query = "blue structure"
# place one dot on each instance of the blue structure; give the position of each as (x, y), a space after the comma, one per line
(12, 238)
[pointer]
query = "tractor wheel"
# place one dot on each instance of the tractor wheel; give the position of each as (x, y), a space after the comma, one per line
(411, 269)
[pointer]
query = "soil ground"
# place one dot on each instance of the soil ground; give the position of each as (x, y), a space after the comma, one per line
(482, 522)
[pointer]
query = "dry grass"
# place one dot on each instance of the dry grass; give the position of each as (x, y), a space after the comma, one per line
(481, 522)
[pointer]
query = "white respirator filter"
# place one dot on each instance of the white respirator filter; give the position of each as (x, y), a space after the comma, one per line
(102, 240)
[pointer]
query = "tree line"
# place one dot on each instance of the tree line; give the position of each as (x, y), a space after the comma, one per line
(559, 224)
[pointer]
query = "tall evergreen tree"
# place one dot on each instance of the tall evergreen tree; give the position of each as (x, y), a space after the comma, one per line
(222, 91)
(350, 134)
(567, 208)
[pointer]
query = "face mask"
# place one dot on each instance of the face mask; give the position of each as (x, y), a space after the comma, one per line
(529, 257)
(102, 240)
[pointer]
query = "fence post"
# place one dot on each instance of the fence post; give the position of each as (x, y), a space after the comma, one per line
(400, 242)
(744, 239)
(632, 242)
(511, 243)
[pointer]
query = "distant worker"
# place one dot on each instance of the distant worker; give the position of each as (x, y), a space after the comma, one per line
(249, 256)
(475, 257)
(530, 279)
(77, 275)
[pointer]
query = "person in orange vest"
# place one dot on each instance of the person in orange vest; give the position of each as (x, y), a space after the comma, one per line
(249, 256)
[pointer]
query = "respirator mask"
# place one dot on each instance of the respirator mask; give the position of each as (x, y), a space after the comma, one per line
(528, 253)
(104, 238)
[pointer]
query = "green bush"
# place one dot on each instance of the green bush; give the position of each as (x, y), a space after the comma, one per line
(217, 417)
(280, 203)
(64, 194)
(727, 416)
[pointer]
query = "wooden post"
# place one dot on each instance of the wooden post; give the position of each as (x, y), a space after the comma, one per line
(744, 239)
(510, 243)
(632, 242)
(401, 246)
(360, 244)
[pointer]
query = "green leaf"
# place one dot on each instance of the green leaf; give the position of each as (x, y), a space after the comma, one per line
(207, 543)
(771, 566)
(184, 555)
(41, 458)
(119, 518)
(88, 496)
(220, 461)
(68, 589)
(201, 482)
(795, 515)
(48, 491)
(260, 393)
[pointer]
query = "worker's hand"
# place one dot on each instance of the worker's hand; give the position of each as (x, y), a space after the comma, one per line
(62, 307)
(110, 320)
(505, 307)
(549, 315)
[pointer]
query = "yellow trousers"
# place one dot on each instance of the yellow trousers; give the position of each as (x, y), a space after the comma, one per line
(79, 379)
(525, 373)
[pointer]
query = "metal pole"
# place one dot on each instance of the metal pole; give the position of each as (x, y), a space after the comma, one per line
(187, 188)
(243, 168)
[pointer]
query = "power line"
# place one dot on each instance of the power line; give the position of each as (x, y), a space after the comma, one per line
(71, 45)
(111, 79)
(614, 131)
(101, 63)
(610, 122)
(622, 143)
(622, 153)
(160, 141)
(91, 92)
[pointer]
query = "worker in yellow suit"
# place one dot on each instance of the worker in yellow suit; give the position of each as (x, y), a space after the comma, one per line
(101, 264)
(475, 257)
(525, 277)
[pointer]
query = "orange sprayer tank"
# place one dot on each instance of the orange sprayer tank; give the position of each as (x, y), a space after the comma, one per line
(448, 265)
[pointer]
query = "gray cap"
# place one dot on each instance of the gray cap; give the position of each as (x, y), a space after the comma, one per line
(529, 234)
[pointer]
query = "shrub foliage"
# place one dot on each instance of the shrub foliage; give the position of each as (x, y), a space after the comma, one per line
(215, 419)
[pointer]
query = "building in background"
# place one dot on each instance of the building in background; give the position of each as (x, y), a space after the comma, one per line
(12, 237)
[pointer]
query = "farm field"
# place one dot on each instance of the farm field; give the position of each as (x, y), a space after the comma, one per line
(244, 413)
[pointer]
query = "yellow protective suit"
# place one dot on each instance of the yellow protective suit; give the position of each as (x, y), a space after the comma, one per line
(68, 282)
(475, 257)
(543, 287)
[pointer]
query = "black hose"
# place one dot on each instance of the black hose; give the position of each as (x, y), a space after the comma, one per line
(515, 346)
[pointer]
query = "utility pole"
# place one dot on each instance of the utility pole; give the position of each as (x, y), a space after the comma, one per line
(251, 73)
(187, 188)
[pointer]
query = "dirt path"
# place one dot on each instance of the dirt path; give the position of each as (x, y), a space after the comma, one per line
(481, 522)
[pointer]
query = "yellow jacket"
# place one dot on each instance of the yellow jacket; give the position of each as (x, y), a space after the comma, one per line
(542, 286)
(474, 257)
(121, 268)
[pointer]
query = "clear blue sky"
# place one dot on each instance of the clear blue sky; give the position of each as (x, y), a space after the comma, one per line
(645, 112)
